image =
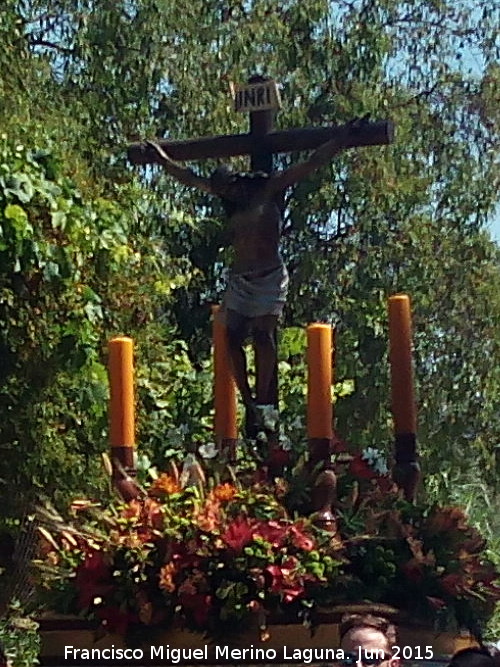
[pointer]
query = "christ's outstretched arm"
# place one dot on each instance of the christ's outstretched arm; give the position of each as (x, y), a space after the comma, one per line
(297, 172)
(182, 174)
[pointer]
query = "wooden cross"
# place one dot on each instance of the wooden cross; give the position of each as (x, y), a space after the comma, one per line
(262, 142)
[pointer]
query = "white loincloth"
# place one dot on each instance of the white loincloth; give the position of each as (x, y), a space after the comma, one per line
(257, 293)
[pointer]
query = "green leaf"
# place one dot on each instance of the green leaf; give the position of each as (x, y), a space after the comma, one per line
(58, 219)
(20, 186)
(18, 218)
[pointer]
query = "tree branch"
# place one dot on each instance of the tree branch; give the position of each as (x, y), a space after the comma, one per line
(50, 45)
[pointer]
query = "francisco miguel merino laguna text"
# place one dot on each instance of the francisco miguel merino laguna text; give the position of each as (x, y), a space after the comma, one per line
(177, 655)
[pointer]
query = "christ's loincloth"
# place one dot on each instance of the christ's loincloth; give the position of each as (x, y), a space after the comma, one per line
(257, 293)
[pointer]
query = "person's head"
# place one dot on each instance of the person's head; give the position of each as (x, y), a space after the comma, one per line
(472, 657)
(236, 187)
(370, 638)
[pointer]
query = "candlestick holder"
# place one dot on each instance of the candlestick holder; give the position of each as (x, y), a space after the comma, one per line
(406, 470)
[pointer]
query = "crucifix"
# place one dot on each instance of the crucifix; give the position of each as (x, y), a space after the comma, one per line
(253, 202)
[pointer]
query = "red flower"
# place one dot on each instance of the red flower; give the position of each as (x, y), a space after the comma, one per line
(436, 603)
(185, 555)
(115, 620)
(272, 532)
(198, 605)
(413, 570)
(132, 510)
(452, 584)
(93, 579)
(285, 580)
(360, 468)
(278, 458)
(239, 533)
(337, 445)
(301, 540)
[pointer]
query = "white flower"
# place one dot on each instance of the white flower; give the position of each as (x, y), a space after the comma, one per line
(208, 450)
(380, 467)
(375, 458)
(268, 416)
(285, 442)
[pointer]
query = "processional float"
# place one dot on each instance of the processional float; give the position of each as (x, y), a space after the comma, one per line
(319, 409)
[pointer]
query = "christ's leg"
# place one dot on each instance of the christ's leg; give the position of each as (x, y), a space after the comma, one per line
(264, 329)
(237, 332)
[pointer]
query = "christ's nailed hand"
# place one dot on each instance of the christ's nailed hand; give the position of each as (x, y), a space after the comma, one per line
(157, 148)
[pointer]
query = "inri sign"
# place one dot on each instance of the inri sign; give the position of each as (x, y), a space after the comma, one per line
(257, 97)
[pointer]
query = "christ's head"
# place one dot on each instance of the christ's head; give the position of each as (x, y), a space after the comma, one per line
(237, 187)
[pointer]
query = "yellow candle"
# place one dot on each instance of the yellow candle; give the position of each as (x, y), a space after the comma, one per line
(400, 357)
(121, 377)
(224, 386)
(319, 381)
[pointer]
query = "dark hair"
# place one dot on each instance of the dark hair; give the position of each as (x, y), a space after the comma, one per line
(253, 181)
(472, 657)
(354, 621)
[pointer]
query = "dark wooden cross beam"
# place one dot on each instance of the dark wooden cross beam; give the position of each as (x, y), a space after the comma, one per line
(261, 142)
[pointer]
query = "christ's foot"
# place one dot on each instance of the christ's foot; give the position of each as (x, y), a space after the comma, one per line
(252, 427)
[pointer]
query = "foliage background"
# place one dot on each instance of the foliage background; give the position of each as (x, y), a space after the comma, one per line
(91, 248)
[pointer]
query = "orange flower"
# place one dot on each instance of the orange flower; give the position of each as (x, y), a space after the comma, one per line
(445, 519)
(134, 540)
(208, 518)
(224, 492)
(167, 578)
(133, 510)
(153, 514)
(165, 485)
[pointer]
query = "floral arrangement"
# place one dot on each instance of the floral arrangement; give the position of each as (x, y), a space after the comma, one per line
(188, 557)
(208, 555)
